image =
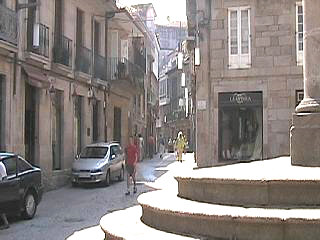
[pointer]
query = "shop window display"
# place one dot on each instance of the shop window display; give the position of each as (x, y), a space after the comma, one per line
(240, 127)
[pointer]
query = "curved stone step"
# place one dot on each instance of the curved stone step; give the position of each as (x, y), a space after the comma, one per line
(126, 225)
(273, 183)
(170, 213)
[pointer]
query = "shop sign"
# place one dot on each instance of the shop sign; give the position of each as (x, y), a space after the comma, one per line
(240, 98)
(201, 105)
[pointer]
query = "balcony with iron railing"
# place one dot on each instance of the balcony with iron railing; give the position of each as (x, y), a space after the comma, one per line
(8, 25)
(122, 69)
(83, 60)
(100, 69)
(140, 59)
(63, 51)
(38, 42)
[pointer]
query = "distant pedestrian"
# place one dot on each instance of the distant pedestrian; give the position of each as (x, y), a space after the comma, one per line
(180, 145)
(161, 146)
(151, 146)
(131, 162)
(137, 143)
(3, 176)
(141, 146)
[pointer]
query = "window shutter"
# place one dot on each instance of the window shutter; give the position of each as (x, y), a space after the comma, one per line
(233, 39)
(124, 49)
(114, 44)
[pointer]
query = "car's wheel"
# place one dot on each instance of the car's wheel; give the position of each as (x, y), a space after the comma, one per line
(121, 176)
(30, 205)
(108, 179)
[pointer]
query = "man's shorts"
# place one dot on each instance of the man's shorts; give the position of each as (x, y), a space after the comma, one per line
(130, 169)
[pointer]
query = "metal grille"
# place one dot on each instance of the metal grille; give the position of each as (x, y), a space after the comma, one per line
(100, 67)
(63, 51)
(83, 61)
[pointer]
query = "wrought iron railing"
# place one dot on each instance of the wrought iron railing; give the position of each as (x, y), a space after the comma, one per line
(39, 43)
(63, 51)
(121, 68)
(8, 25)
(100, 70)
(176, 115)
(83, 60)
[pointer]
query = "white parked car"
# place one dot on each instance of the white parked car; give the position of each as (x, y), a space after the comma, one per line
(99, 162)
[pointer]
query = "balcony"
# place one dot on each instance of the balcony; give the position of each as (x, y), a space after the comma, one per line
(122, 69)
(176, 116)
(83, 60)
(39, 43)
(63, 51)
(8, 25)
(140, 60)
(100, 70)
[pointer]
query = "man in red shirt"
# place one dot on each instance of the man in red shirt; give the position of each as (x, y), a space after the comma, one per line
(131, 162)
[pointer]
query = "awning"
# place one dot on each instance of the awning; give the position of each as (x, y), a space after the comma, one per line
(36, 77)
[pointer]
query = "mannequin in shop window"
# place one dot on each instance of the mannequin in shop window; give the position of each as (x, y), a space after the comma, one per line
(226, 137)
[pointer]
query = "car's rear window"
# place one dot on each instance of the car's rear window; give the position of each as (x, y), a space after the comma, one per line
(94, 152)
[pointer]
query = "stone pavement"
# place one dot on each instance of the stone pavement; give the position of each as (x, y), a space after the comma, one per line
(68, 209)
(162, 177)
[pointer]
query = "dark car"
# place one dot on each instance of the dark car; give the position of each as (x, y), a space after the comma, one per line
(21, 192)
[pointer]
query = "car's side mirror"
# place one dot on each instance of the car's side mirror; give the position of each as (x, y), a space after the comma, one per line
(113, 157)
(77, 156)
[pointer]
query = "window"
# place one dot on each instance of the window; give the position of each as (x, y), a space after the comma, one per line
(114, 40)
(11, 166)
(97, 38)
(239, 38)
(94, 152)
(299, 33)
(299, 96)
(163, 89)
(23, 166)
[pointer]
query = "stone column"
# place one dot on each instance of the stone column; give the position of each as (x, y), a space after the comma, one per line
(305, 130)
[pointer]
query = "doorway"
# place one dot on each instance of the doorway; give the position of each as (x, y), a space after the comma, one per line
(78, 124)
(117, 124)
(240, 126)
(31, 94)
(57, 130)
(95, 121)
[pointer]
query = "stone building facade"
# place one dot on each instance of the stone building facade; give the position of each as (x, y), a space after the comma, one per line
(69, 76)
(250, 78)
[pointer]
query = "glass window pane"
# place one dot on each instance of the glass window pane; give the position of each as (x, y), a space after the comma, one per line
(94, 152)
(300, 9)
(244, 32)
(10, 164)
(233, 33)
(23, 166)
(300, 36)
(234, 50)
(301, 46)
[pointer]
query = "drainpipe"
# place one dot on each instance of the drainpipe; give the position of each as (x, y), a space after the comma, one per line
(106, 29)
(209, 76)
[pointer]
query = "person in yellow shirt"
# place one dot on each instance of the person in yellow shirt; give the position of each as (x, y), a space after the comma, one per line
(180, 146)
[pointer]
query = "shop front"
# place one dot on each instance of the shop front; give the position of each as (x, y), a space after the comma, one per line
(240, 126)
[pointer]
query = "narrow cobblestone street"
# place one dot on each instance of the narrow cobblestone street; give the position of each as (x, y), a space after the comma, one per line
(66, 210)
